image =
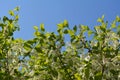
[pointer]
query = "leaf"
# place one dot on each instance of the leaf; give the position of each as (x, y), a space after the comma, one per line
(42, 27)
(47, 35)
(16, 17)
(117, 18)
(38, 48)
(31, 42)
(17, 8)
(27, 46)
(87, 73)
(99, 20)
(71, 32)
(37, 33)
(97, 29)
(103, 28)
(98, 76)
(113, 25)
(1, 24)
(36, 28)
(11, 13)
(65, 31)
(90, 32)
(75, 28)
(77, 76)
(105, 49)
(118, 30)
(5, 18)
(84, 28)
(65, 23)
(103, 17)
(60, 26)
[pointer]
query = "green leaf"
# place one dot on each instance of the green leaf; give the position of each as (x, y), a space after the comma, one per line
(47, 35)
(103, 17)
(103, 28)
(118, 30)
(97, 29)
(77, 76)
(75, 28)
(16, 17)
(1, 24)
(31, 42)
(5, 18)
(42, 27)
(36, 28)
(87, 73)
(98, 76)
(65, 31)
(38, 48)
(1, 40)
(84, 28)
(99, 20)
(71, 32)
(105, 49)
(60, 26)
(117, 18)
(37, 33)
(113, 25)
(17, 8)
(90, 32)
(27, 46)
(65, 23)
(11, 13)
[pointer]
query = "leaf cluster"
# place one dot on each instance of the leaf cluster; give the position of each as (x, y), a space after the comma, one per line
(49, 57)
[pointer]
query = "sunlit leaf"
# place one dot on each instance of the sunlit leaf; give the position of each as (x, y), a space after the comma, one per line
(42, 27)
(56, 56)
(36, 28)
(65, 23)
(71, 32)
(17, 8)
(103, 16)
(84, 28)
(90, 32)
(11, 13)
(113, 25)
(16, 17)
(117, 18)
(60, 26)
(37, 33)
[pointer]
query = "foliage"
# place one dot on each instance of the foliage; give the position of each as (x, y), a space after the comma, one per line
(88, 55)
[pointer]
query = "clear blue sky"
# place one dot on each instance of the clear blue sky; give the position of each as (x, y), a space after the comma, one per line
(51, 12)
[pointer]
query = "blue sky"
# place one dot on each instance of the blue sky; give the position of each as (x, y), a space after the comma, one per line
(52, 12)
